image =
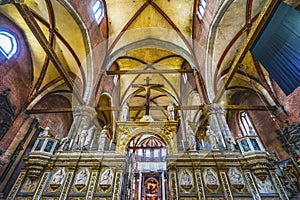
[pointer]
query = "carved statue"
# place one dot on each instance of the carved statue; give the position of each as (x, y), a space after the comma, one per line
(211, 137)
(45, 132)
(185, 178)
(29, 185)
(82, 177)
(264, 186)
(124, 112)
(82, 137)
(102, 138)
(191, 137)
(106, 178)
(58, 177)
(211, 178)
(235, 177)
(171, 115)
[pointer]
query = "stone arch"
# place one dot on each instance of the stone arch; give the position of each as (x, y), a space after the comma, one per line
(212, 34)
(152, 42)
(88, 47)
(170, 144)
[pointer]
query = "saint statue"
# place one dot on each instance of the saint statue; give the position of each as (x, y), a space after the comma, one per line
(82, 137)
(82, 177)
(211, 137)
(45, 132)
(235, 177)
(124, 112)
(103, 136)
(106, 178)
(211, 178)
(191, 137)
(171, 115)
(58, 177)
(185, 178)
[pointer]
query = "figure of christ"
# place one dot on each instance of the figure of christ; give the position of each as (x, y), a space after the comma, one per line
(147, 88)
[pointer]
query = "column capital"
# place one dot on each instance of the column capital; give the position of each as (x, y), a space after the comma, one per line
(213, 108)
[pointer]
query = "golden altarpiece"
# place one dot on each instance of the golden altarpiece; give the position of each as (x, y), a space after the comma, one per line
(149, 160)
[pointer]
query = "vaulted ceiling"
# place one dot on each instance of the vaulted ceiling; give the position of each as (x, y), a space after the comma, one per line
(142, 38)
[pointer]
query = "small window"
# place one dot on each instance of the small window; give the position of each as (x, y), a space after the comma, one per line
(184, 76)
(8, 44)
(98, 11)
(49, 146)
(246, 124)
(116, 78)
(39, 145)
(201, 8)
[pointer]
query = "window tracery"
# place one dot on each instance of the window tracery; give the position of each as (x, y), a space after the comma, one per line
(8, 44)
(98, 11)
(201, 8)
(246, 124)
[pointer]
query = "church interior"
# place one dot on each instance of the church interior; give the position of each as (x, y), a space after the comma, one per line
(150, 99)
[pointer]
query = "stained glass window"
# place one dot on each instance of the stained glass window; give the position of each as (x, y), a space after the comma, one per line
(8, 44)
(98, 11)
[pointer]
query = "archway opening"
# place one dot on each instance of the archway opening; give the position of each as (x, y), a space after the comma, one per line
(147, 168)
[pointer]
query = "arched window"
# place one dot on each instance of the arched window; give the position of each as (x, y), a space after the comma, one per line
(98, 11)
(8, 44)
(246, 124)
(201, 8)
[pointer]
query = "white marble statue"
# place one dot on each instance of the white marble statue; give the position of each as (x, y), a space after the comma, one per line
(82, 137)
(211, 178)
(211, 137)
(171, 114)
(45, 132)
(185, 178)
(191, 137)
(235, 177)
(82, 177)
(58, 177)
(124, 112)
(106, 177)
(103, 136)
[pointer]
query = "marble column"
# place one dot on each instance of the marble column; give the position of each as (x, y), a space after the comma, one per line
(83, 116)
(217, 121)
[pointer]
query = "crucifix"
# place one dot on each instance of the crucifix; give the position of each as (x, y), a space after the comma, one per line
(147, 88)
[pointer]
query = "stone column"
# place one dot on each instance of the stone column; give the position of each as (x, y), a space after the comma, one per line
(83, 116)
(216, 119)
